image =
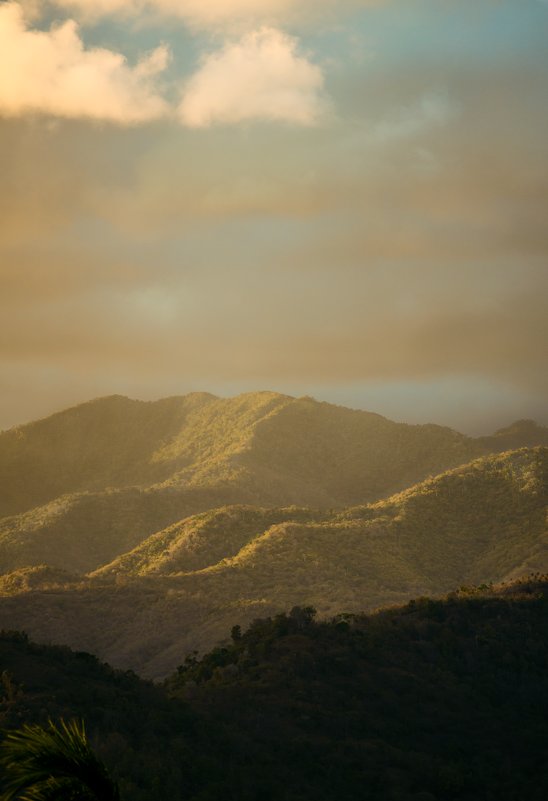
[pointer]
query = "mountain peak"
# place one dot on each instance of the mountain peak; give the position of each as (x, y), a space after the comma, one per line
(521, 433)
(524, 426)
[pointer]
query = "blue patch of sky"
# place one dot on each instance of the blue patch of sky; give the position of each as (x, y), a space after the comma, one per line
(431, 31)
(132, 36)
(423, 31)
(134, 40)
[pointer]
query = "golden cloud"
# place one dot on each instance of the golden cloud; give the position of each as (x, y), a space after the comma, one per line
(51, 72)
(261, 76)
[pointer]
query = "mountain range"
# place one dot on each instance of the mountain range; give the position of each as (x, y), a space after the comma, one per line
(177, 519)
(261, 447)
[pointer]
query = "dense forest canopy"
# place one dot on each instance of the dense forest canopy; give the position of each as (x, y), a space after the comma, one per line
(439, 699)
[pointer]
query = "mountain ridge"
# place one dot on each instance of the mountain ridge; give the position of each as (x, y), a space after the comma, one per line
(482, 522)
(255, 438)
(98, 479)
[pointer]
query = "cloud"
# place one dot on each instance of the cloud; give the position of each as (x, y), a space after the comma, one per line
(51, 72)
(404, 242)
(262, 76)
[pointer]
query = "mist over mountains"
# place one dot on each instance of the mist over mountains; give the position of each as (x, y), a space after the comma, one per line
(176, 519)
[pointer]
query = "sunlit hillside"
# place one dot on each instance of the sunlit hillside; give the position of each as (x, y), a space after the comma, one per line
(84, 486)
(185, 585)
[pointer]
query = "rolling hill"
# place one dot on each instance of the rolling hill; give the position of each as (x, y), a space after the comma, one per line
(86, 485)
(183, 587)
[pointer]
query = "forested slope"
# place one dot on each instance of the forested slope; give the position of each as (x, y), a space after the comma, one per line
(437, 700)
(85, 486)
(284, 450)
(181, 588)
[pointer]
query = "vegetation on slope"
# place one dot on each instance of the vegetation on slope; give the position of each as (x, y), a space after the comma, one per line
(38, 577)
(438, 700)
(520, 434)
(153, 747)
(53, 763)
(108, 442)
(83, 487)
(276, 450)
(115, 442)
(182, 588)
(435, 700)
(83, 531)
(329, 456)
(203, 540)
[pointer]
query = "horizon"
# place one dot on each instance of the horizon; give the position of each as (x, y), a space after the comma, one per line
(338, 199)
(217, 396)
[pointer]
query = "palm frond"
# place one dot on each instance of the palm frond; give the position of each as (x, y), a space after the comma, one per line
(53, 764)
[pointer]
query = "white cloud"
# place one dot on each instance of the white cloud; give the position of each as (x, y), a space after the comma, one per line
(51, 72)
(259, 77)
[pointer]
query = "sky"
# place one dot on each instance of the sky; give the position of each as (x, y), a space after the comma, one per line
(339, 198)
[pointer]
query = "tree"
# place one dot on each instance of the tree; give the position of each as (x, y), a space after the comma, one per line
(53, 764)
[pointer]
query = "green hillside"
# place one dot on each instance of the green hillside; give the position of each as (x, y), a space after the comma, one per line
(116, 442)
(437, 700)
(84, 486)
(31, 578)
(203, 540)
(274, 448)
(482, 519)
(181, 588)
(108, 442)
(85, 530)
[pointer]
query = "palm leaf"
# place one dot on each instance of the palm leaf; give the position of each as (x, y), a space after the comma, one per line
(53, 764)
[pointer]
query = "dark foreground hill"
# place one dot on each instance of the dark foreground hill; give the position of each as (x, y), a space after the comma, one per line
(434, 701)
(182, 588)
(83, 486)
(155, 747)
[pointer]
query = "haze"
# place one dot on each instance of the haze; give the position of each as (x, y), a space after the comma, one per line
(347, 200)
